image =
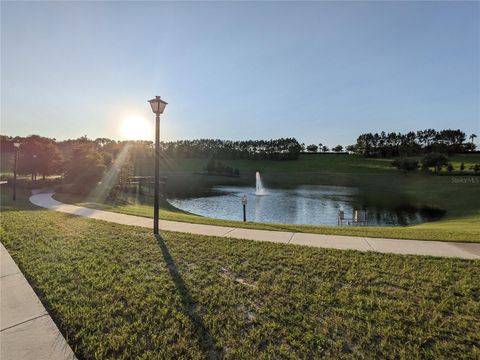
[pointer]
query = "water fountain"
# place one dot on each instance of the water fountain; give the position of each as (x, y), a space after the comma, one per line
(259, 189)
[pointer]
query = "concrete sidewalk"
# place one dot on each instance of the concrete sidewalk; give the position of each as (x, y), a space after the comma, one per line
(395, 246)
(26, 329)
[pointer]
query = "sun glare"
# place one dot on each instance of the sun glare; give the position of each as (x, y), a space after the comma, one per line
(136, 128)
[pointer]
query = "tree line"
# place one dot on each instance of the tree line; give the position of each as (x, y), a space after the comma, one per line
(83, 161)
(314, 148)
(413, 143)
(275, 149)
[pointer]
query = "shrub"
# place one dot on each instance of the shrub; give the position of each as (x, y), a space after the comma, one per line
(435, 160)
(476, 168)
(406, 165)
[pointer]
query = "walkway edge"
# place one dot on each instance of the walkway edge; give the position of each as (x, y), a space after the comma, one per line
(26, 329)
(394, 246)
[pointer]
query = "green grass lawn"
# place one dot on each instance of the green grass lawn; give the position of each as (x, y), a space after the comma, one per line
(329, 163)
(117, 292)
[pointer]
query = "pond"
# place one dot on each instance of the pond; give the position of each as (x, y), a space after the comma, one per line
(306, 204)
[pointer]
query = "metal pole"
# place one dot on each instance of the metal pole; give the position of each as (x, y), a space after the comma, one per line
(15, 175)
(244, 212)
(157, 175)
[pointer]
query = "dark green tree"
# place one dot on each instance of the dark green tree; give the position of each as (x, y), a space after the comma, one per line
(211, 166)
(39, 156)
(406, 165)
(350, 148)
(476, 168)
(84, 169)
(312, 148)
(435, 160)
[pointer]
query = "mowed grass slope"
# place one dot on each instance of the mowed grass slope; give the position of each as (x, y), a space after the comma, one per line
(464, 229)
(117, 292)
(329, 163)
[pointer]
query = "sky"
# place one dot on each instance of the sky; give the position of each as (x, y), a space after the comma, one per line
(322, 72)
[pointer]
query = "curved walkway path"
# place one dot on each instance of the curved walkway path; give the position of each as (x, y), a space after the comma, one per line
(395, 246)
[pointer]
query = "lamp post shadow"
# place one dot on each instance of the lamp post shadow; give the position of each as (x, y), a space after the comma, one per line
(206, 342)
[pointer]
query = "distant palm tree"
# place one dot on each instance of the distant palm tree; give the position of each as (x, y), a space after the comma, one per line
(473, 136)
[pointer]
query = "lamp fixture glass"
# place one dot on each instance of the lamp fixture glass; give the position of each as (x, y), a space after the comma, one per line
(158, 105)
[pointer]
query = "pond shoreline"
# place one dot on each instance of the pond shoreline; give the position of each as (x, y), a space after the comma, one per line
(303, 205)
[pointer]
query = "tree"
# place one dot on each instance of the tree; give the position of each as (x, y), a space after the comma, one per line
(275, 149)
(412, 143)
(350, 148)
(39, 155)
(312, 148)
(107, 158)
(472, 146)
(84, 169)
(476, 168)
(435, 160)
(406, 165)
(338, 148)
(325, 148)
(211, 166)
(472, 137)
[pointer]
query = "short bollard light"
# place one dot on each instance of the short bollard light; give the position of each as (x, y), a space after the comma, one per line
(244, 203)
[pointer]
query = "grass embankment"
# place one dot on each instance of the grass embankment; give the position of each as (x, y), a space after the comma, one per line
(118, 293)
(465, 229)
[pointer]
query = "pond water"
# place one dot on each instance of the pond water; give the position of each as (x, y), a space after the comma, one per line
(306, 204)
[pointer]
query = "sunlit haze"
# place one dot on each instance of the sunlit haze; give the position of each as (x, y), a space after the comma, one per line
(136, 128)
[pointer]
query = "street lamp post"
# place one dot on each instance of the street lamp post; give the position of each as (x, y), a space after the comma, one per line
(158, 105)
(244, 203)
(34, 173)
(16, 146)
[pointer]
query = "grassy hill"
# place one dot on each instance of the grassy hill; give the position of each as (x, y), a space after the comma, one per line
(324, 163)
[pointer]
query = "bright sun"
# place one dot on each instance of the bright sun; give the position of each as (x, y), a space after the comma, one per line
(136, 128)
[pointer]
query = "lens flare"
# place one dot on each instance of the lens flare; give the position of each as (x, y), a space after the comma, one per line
(136, 128)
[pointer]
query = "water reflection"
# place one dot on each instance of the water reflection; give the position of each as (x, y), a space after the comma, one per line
(307, 204)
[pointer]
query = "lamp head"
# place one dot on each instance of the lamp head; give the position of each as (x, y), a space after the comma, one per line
(158, 105)
(244, 200)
